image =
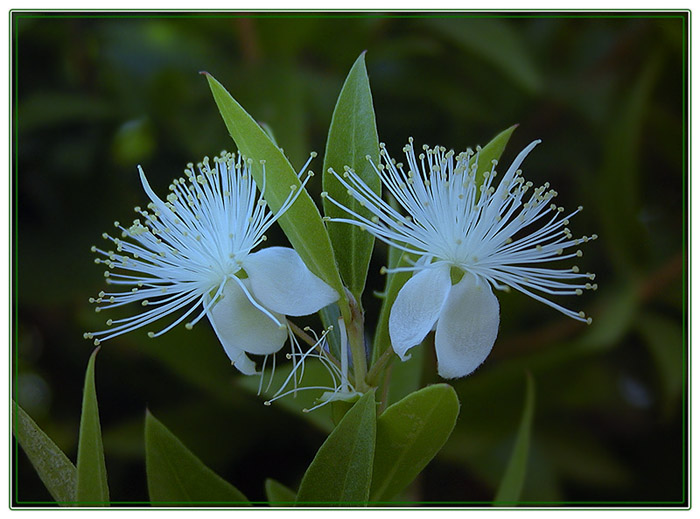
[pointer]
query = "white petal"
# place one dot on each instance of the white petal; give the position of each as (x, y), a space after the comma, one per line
(467, 327)
(282, 282)
(417, 307)
(243, 328)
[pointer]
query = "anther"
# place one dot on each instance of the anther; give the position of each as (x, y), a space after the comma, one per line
(189, 326)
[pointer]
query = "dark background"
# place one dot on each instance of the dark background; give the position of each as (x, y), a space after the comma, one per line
(96, 96)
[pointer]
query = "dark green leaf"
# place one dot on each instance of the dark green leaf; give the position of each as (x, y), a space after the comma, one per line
(492, 151)
(55, 470)
(91, 486)
(352, 137)
(177, 476)
(406, 375)
(508, 493)
(278, 494)
(302, 222)
(341, 471)
(409, 434)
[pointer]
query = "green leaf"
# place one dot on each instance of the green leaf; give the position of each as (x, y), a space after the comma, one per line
(508, 493)
(278, 494)
(492, 151)
(177, 476)
(55, 470)
(302, 222)
(406, 375)
(341, 471)
(409, 434)
(91, 485)
(352, 137)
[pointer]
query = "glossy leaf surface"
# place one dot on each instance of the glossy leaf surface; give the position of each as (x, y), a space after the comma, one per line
(176, 476)
(341, 471)
(91, 485)
(409, 434)
(302, 222)
(351, 138)
(56, 471)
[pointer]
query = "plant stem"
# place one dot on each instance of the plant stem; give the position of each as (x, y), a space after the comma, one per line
(377, 368)
(354, 323)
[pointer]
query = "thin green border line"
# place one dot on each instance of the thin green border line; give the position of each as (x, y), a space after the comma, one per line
(346, 15)
(683, 15)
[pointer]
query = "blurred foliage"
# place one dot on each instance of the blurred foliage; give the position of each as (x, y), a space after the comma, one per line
(96, 96)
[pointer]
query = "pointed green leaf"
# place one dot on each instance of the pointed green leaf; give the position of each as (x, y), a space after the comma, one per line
(409, 434)
(492, 151)
(177, 476)
(55, 470)
(302, 222)
(278, 494)
(352, 137)
(341, 471)
(91, 486)
(508, 493)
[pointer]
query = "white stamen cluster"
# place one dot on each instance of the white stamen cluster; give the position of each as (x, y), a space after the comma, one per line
(186, 248)
(496, 232)
(340, 387)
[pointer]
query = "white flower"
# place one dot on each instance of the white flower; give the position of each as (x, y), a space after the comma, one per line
(194, 251)
(470, 235)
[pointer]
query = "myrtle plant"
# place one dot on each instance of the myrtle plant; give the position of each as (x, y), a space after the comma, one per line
(455, 232)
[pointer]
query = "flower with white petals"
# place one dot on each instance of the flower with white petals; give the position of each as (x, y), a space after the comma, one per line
(470, 235)
(194, 250)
